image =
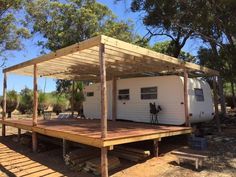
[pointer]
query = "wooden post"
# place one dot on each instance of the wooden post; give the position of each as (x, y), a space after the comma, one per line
(4, 108)
(35, 109)
(155, 147)
(104, 161)
(64, 147)
(19, 134)
(73, 99)
(114, 98)
(216, 104)
(222, 96)
(187, 121)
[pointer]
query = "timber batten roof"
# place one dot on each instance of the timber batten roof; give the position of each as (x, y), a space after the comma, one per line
(81, 61)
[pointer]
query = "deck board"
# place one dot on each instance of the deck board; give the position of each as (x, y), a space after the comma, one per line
(89, 131)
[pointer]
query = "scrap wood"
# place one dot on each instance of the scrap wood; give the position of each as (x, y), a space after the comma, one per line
(131, 154)
(94, 165)
(76, 159)
(140, 151)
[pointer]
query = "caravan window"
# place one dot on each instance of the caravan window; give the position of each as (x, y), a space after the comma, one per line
(148, 93)
(123, 94)
(90, 94)
(199, 94)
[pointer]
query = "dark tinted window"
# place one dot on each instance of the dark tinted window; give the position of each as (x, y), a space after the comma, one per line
(90, 94)
(123, 94)
(199, 94)
(148, 93)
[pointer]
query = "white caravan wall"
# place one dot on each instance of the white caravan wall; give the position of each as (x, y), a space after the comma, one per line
(170, 96)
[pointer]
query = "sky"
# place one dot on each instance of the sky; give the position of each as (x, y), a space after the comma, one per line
(31, 50)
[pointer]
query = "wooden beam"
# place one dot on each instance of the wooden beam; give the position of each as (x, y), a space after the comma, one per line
(114, 98)
(113, 142)
(187, 121)
(19, 134)
(103, 92)
(131, 49)
(64, 147)
(34, 141)
(35, 109)
(73, 99)
(104, 161)
(215, 92)
(4, 109)
(156, 147)
(58, 53)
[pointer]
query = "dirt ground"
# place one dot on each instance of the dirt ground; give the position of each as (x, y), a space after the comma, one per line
(221, 160)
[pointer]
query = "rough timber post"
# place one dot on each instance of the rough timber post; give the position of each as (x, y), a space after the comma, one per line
(35, 109)
(4, 109)
(104, 161)
(187, 122)
(156, 147)
(216, 103)
(114, 98)
(73, 99)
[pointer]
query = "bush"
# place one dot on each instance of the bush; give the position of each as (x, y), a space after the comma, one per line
(43, 102)
(12, 102)
(229, 101)
(26, 101)
(78, 102)
(60, 104)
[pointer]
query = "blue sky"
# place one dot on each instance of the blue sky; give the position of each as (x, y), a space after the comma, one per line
(31, 50)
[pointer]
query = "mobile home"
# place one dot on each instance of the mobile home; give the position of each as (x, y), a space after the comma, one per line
(135, 94)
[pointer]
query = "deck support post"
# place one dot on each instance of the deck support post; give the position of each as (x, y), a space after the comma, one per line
(35, 110)
(4, 109)
(156, 147)
(104, 161)
(215, 92)
(73, 99)
(187, 121)
(64, 147)
(114, 98)
(19, 134)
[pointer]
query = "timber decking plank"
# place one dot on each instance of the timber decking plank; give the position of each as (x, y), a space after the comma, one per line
(89, 131)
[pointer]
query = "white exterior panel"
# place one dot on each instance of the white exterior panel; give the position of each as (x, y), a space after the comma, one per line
(170, 96)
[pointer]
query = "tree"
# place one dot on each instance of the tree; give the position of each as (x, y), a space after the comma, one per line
(60, 104)
(168, 18)
(223, 61)
(12, 29)
(166, 48)
(12, 102)
(26, 101)
(63, 24)
(43, 102)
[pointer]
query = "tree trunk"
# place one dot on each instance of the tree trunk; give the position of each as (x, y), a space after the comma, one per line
(233, 94)
(222, 96)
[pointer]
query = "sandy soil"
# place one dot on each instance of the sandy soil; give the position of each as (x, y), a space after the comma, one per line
(221, 161)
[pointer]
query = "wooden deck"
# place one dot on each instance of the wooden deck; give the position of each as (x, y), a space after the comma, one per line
(89, 131)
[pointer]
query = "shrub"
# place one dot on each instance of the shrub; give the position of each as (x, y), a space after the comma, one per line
(26, 101)
(12, 102)
(60, 104)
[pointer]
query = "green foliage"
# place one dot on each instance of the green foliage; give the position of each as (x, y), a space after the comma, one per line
(12, 102)
(61, 103)
(12, 29)
(26, 101)
(168, 18)
(43, 102)
(167, 48)
(63, 24)
(78, 101)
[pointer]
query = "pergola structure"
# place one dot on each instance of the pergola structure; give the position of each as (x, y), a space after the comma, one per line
(104, 58)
